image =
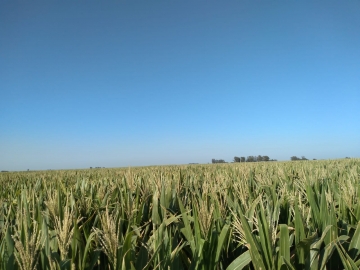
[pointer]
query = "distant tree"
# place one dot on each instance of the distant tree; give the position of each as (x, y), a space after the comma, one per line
(237, 159)
(265, 158)
(242, 159)
(259, 158)
(218, 161)
(314, 158)
(251, 159)
(303, 158)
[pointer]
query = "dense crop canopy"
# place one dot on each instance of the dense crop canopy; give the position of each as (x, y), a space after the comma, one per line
(278, 215)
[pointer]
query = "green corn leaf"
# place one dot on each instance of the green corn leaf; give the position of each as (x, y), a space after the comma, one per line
(315, 249)
(326, 254)
(284, 251)
(301, 252)
(142, 258)
(155, 209)
(323, 222)
(10, 264)
(60, 205)
(354, 248)
(307, 242)
(348, 263)
(163, 202)
(314, 206)
(197, 230)
(186, 230)
(265, 238)
(87, 249)
(222, 239)
(240, 262)
(286, 264)
(253, 245)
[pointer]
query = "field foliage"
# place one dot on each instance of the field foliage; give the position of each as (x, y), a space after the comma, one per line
(266, 215)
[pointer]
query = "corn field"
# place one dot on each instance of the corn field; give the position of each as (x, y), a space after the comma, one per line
(265, 215)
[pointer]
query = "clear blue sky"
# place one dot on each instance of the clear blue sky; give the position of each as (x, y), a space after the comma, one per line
(128, 83)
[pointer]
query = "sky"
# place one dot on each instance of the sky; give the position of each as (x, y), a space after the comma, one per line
(133, 83)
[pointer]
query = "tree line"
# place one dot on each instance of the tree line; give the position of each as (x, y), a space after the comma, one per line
(245, 159)
(258, 158)
(293, 158)
(218, 161)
